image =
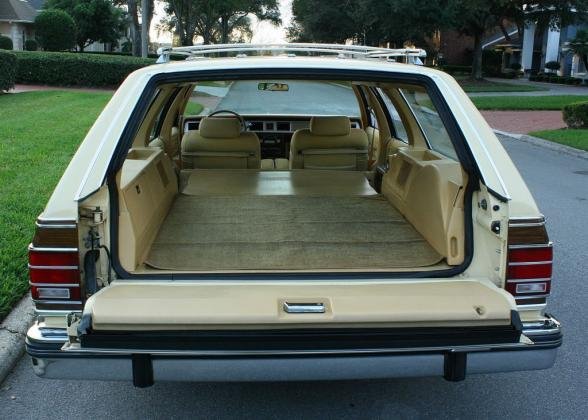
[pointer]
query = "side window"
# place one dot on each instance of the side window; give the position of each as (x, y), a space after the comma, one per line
(429, 121)
(401, 133)
(373, 119)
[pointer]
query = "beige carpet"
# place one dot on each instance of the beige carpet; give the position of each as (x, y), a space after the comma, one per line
(203, 233)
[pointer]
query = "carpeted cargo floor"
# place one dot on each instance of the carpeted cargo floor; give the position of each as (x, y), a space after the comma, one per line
(204, 233)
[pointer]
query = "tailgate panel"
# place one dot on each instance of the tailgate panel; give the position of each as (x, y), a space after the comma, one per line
(179, 305)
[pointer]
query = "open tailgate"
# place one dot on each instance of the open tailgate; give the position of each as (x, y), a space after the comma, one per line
(204, 316)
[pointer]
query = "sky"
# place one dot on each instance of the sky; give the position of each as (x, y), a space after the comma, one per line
(263, 32)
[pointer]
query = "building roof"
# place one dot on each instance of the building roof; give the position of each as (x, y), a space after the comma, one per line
(17, 10)
(37, 4)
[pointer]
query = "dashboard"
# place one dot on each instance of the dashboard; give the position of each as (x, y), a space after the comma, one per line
(274, 133)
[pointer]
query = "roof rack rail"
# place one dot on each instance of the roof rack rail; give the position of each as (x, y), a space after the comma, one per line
(340, 50)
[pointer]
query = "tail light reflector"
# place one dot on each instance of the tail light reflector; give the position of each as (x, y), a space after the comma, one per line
(530, 261)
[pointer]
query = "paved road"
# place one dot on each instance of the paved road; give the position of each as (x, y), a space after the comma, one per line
(305, 98)
(559, 183)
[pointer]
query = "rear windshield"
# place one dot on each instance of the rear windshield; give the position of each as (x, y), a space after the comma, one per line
(277, 97)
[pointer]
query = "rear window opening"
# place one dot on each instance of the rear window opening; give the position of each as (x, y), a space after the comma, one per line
(358, 177)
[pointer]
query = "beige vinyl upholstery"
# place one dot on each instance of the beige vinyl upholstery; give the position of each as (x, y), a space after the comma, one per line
(220, 144)
(427, 189)
(330, 143)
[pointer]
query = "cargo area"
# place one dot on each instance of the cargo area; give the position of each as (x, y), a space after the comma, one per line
(313, 223)
(227, 220)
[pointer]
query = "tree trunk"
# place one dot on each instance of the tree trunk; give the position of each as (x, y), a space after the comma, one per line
(135, 27)
(224, 29)
(477, 62)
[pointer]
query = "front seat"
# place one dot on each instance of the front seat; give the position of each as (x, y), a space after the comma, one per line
(330, 143)
(219, 144)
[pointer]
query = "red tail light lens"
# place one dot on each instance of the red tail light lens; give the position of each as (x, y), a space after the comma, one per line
(530, 261)
(54, 275)
(54, 266)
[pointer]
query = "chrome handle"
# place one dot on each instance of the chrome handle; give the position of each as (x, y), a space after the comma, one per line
(304, 308)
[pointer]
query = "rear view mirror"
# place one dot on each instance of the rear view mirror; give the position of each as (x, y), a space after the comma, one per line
(273, 87)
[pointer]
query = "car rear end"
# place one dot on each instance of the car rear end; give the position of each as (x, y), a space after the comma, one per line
(486, 313)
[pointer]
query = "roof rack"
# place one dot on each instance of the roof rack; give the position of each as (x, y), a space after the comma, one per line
(340, 50)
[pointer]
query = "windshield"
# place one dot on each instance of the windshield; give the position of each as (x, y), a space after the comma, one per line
(276, 97)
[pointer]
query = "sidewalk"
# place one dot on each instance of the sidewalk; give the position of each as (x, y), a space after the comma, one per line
(524, 122)
(552, 88)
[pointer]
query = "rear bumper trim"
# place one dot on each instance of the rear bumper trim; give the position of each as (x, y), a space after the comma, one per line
(537, 349)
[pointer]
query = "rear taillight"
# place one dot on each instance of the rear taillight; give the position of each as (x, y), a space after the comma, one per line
(54, 271)
(530, 261)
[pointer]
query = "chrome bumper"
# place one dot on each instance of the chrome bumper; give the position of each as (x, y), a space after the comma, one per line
(537, 349)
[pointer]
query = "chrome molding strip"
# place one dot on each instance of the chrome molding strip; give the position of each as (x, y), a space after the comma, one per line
(544, 295)
(526, 219)
(474, 348)
(528, 280)
(54, 312)
(55, 226)
(531, 246)
(54, 267)
(57, 285)
(51, 249)
(57, 302)
(518, 264)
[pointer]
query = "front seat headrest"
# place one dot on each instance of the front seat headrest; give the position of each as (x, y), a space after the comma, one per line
(216, 128)
(330, 126)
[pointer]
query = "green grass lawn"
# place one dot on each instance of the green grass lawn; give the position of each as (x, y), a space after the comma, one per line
(470, 85)
(39, 133)
(521, 103)
(193, 108)
(577, 138)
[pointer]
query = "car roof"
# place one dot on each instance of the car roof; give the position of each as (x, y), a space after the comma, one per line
(281, 62)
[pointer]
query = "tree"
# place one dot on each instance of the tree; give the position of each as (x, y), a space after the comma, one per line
(133, 13)
(579, 46)
(369, 22)
(217, 21)
(234, 14)
(96, 20)
(55, 30)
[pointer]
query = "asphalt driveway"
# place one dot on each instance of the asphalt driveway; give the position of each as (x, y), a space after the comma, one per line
(559, 182)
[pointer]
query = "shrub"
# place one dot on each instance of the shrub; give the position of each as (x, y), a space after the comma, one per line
(55, 30)
(76, 69)
(7, 70)
(5, 43)
(576, 115)
(516, 66)
(31, 45)
(457, 69)
(552, 65)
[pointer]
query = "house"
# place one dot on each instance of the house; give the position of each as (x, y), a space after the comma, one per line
(16, 20)
(537, 46)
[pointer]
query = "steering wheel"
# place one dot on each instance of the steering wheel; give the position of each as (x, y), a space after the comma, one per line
(226, 111)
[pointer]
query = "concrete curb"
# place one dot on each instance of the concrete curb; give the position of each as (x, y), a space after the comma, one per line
(12, 335)
(556, 147)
